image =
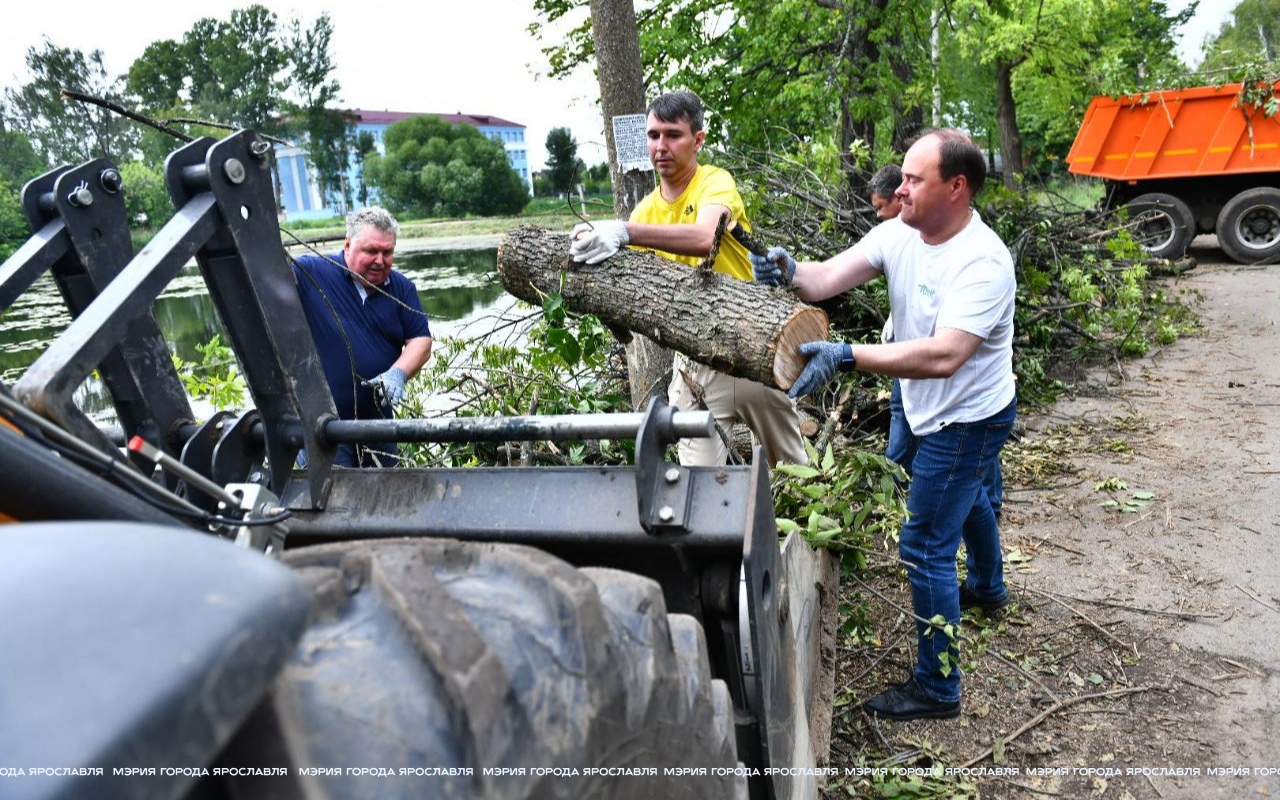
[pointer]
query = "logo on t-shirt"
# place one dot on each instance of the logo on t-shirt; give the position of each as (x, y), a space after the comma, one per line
(926, 290)
(688, 209)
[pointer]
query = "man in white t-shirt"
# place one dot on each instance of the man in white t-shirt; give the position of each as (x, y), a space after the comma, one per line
(951, 296)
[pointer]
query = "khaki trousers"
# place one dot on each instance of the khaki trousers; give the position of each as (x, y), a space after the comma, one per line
(768, 412)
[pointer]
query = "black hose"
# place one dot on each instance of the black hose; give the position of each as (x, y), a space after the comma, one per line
(36, 484)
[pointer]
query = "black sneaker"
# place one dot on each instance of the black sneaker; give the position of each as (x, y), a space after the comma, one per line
(909, 701)
(970, 600)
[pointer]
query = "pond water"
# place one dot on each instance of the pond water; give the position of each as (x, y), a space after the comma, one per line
(460, 292)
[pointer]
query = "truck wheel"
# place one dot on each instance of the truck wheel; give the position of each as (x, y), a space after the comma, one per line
(1162, 224)
(503, 668)
(1249, 225)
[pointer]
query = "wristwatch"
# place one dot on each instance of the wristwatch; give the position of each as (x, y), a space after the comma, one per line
(847, 362)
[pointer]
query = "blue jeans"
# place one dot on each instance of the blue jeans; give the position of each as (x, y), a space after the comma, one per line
(902, 443)
(378, 454)
(949, 501)
(901, 449)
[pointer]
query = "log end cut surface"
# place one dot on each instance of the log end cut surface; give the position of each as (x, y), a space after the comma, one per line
(808, 324)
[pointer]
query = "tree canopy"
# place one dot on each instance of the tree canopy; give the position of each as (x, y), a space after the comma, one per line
(248, 70)
(1252, 35)
(60, 132)
(437, 169)
(562, 160)
(213, 71)
(865, 75)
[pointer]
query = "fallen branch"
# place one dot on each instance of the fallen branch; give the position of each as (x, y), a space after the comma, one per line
(1015, 666)
(1262, 602)
(226, 126)
(833, 419)
(1086, 618)
(1053, 709)
(1199, 684)
(80, 97)
(1140, 610)
(1051, 543)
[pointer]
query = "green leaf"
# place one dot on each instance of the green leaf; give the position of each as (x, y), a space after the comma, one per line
(801, 471)
(553, 308)
(1110, 485)
(565, 345)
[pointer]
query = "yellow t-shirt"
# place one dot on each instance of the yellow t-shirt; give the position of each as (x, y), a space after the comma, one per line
(710, 186)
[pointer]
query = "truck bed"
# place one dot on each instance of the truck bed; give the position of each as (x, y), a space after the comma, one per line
(1175, 133)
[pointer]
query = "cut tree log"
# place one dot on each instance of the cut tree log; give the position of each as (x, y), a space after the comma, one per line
(737, 327)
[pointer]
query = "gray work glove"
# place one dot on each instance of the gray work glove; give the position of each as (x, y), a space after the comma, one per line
(392, 384)
(593, 242)
(775, 268)
(825, 360)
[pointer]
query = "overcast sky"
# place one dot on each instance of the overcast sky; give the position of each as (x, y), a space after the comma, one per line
(1210, 14)
(469, 56)
(472, 56)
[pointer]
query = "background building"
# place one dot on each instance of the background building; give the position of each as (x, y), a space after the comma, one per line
(300, 196)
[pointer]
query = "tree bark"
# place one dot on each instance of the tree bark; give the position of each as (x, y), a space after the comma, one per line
(859, 51)
(737, 327)
(1007, 122)
(621, 78)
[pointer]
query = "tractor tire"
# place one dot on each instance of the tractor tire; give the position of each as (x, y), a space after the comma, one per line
(1249, 225)
(473, 670)
(1162, 224)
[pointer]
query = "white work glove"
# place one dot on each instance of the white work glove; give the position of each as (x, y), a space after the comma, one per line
(392, 383)
(593, 242)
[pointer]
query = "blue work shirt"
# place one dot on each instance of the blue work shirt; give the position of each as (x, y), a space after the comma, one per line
(358, 338)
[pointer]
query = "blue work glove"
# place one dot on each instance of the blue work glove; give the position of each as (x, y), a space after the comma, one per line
(825, 360)
(593, 242)
(392, 384)
(775, 268)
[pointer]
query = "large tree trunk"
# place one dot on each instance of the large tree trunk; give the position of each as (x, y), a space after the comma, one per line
(621, 78)
(860, 52)
(1007, 122)
(736, 327)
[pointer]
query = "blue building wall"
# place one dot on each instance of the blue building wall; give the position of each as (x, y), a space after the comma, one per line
(299, 194)
(300, 197)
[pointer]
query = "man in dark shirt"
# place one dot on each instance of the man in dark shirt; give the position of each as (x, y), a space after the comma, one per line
(368, 325)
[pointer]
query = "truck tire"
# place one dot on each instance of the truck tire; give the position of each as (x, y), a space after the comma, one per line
(1162, 224)
(503, 668)
(1249, 225)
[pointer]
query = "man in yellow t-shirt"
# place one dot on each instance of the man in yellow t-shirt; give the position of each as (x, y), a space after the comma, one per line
(678, 220)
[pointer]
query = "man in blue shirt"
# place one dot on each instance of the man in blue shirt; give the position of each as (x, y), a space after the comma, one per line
(368, 325)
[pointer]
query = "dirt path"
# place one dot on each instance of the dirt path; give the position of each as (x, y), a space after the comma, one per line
(1146, 568)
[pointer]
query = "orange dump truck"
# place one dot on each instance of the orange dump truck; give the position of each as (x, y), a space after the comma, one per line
(1185, 162)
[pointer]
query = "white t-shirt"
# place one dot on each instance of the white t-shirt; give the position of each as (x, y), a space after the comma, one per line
(967, 282)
